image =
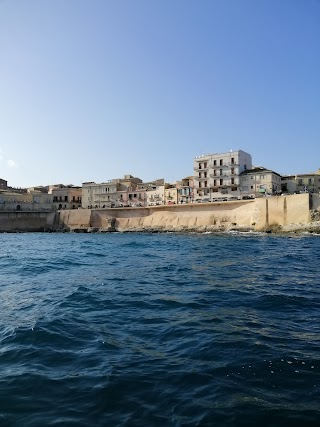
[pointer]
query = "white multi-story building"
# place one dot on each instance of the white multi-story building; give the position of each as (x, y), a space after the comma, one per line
(218, 175)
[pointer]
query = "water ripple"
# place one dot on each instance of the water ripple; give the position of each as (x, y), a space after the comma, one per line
(159, 330)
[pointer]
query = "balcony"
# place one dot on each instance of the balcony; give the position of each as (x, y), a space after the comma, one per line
(197, 169)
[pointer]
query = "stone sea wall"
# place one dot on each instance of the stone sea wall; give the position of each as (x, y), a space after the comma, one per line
(282, 213)
(27, 221)
(263, 214)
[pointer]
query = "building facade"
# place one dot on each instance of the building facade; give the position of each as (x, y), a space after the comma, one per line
(170, 195)
(25, 201)
(66, 197)
(110, 194)
(218, 175)
(309, 182)
(259, 181)
(185, 189)
(155, 192)
(97, 196)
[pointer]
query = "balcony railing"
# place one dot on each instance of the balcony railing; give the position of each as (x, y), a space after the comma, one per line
(201, 169)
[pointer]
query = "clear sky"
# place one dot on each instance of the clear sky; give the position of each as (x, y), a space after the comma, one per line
(91, 90)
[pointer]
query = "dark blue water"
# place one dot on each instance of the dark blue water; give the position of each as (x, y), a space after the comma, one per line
(159, 330)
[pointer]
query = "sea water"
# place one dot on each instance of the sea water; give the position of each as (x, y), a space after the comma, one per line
(159, 330)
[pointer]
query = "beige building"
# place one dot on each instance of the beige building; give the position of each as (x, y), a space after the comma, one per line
(155, 192)
(170, 195)
(309, 182)
(218, 175)
(66, 197)
(259, 181)
(102, 195)
(137, 196)
(109, 194)
(25, 201)
(185, 189)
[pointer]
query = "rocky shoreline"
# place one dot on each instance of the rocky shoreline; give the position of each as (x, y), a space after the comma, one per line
(313, 228)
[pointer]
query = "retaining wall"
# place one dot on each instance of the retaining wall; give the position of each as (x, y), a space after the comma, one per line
(26, 221)
(257, 214)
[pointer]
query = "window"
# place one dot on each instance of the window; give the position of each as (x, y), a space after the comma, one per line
(205, 174)
(232, 171)
(214, 163)
(205, 165)
(215, 173)
(215, 183)
(205, 183)
(221, 162)
(65, 198)
(232, 181)
(232, 160)
(221, 181)
(220, 172)
(199, 174)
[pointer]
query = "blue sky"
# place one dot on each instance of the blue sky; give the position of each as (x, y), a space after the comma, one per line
(91, 90)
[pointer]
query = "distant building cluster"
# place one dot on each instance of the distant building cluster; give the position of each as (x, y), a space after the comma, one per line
(216, 177)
